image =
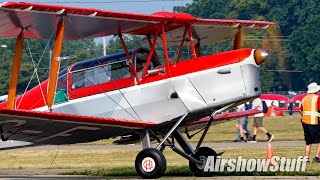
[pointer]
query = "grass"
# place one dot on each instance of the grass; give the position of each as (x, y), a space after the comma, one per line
(114, 162)
(184, 171)
(121, 161)
(285, 128)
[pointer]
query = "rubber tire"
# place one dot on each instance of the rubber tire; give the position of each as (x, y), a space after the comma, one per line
(159, 159)
(202, 151)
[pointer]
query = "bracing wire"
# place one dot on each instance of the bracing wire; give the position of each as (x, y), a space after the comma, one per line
(54, 158)
(47, 45)
(114, 85)
(34, 73)
(176, 42)
(118, 90)
(93, 51)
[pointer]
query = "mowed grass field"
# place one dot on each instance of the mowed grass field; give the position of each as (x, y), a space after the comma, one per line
(285, 128)
(121, 161)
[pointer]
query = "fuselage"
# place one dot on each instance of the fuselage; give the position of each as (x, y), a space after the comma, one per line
(193, 86)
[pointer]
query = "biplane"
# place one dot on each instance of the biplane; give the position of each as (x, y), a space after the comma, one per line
(277, 104)
(132, 94)
(297, 99)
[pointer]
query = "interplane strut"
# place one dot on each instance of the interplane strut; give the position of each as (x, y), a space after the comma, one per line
(15, 71)
(55, 64)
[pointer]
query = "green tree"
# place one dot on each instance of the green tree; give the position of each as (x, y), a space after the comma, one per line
(114, 45)
(295, 21)
(205, 9)
(36, 53)
(305, 49)
(247, 9)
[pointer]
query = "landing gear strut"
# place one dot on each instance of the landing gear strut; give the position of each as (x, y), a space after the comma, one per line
(151, 163)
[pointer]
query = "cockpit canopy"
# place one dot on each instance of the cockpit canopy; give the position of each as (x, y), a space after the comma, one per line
(102, 70)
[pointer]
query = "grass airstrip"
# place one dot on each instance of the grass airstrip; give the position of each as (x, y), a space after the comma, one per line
(114, 162)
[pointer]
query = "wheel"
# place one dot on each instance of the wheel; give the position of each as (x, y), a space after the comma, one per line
(150, 163)
(202, 155)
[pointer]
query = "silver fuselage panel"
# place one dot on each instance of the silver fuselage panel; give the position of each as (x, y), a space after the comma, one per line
(198, 91)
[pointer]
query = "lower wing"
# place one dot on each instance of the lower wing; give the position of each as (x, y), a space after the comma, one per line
(39, 128)
(55, 128)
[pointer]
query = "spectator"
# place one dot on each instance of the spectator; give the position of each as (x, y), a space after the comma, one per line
(257, 121)
(290, 108)
(242, 124)
(310, 119)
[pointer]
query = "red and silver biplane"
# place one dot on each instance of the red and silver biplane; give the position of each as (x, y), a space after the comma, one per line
(116, 95)
(297, 99)
(277, 104)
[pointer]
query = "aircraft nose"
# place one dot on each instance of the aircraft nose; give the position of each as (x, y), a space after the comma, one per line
(260, 56)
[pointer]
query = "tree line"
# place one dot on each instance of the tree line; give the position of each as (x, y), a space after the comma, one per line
(293, 43)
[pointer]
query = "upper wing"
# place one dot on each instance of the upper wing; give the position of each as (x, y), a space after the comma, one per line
(54, 128)
(211, 31)
(40, 20)
(224, 29)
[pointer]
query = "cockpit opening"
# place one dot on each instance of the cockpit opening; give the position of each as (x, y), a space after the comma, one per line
(105, 73)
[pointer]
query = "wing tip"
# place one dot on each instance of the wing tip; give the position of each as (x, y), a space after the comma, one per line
(2, 4)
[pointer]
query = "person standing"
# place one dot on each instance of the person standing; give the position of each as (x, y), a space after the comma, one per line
(240, 124)
(290, 108)
(310, 119)
(243, 123)
(257, 121)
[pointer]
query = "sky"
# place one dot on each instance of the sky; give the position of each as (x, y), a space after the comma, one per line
(133, 6)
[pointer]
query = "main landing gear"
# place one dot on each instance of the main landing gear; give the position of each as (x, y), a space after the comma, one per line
(201, 155)
(151, 163)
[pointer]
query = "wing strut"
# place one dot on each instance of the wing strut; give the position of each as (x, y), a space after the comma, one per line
(151, 53)
(237, 39)
(129, 57)
(181, 44)
(197, 48)
(55, 64)
(191, 41)
(150, 44)
(164, 41)
(15, 71)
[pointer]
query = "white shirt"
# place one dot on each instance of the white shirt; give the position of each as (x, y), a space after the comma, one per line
(258, 102)
(241, 107)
